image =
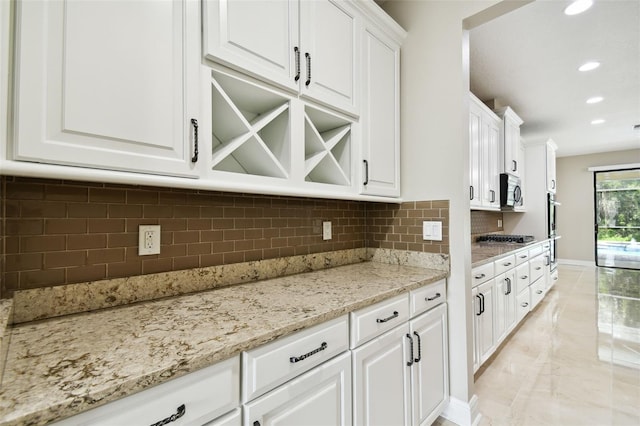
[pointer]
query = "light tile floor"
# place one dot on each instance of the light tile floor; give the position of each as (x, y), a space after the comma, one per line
(575, 360)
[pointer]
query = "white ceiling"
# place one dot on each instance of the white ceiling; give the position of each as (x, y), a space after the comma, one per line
(528, 60)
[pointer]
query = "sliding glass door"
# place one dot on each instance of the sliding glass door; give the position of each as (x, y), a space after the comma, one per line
(617, 228)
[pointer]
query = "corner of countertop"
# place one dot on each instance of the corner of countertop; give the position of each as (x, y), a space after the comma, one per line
(6, 318)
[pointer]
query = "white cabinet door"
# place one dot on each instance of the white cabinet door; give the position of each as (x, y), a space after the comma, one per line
(108, 84)
(430, 372)
(256, 36)
(321, 396)
(475, 119)
(485, 320)
(329, 39)
(505, 312)
(551, 167)
(380, 115)
(476, 311)
(491, 170)
(381, 380)
(510, 143)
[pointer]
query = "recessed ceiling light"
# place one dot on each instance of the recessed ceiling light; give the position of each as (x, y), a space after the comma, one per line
(595, 100)
(598, 121)
(588, 66)
(578, 6)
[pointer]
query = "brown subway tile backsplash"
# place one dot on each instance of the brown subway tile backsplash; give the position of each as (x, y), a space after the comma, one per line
(485, 222)
(60, 232)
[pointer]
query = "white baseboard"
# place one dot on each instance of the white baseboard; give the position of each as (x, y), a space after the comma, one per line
(576, 262)
(463, 413)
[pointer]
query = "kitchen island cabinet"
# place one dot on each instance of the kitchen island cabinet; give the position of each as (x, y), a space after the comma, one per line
(62, 366)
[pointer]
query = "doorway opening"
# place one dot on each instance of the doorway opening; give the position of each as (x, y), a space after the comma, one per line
(617, 218)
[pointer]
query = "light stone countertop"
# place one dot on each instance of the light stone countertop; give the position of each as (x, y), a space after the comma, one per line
(62, 366)
(482, 253)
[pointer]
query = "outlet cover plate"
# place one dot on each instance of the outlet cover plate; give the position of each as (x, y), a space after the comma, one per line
(326, 230)
(148, 240)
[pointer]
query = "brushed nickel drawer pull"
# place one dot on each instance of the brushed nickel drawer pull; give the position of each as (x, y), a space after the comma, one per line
(389, 318)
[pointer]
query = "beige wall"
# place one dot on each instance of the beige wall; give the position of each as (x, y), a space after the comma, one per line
(434, 148)
(575, 192)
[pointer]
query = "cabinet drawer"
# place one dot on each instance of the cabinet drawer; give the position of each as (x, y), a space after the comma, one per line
(321, 396)
(481, 274)
(537, 292)
(205, 394)
(374, 320)
(504, 264)
(523, 304)
(272, 364)
(552, 279)
(535, 250)
(522, 277)
(234, 418)
(536, 268)
(427, 297)
(522, 256)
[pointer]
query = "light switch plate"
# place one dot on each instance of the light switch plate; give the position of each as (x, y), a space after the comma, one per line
(432, 230)
(326, 230)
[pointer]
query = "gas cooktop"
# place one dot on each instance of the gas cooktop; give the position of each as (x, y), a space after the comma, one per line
(500, 238)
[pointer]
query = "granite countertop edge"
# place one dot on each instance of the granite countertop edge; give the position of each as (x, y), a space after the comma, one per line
(51, 398)
(483, 253)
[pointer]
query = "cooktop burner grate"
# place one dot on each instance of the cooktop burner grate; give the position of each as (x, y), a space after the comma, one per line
(498, 238)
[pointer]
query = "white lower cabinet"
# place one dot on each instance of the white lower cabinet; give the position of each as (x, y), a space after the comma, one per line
(234, 418)
(382, 380)
(505, 287)
(194, 399)
(485, 341)
(322, 396)
(401, 377)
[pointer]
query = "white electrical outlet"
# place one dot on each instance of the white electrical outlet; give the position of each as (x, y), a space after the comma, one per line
(499, 223)
(326, 230)
(148, 240)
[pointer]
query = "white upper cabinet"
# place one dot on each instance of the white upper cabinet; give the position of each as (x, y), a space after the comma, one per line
(309, 46)
(256, 36)
(510, 146)
(484, 141)
(380, 114)
(110, 85)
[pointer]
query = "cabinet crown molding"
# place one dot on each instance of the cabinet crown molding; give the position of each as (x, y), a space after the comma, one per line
(507, 112)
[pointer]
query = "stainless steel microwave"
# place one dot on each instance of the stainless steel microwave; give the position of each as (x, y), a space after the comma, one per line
(510, 191)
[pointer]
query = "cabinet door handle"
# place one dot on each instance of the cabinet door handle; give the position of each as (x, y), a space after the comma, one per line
(429, 299)
(366, 172)
(410, 362)
(514, 166)
(256, 423)
(539, 291)
(296, 51)
(479, 277)
(524, 277)
(295, 359)
(479, 306)
(508, 292)
(553, 184)
(547, 261)
(525, 304)
(172, 418)
(308, 57)
(389, 318)
(471, 192)
(419, 349)
(493, 195)
(481, 303)
(194, 123)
